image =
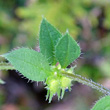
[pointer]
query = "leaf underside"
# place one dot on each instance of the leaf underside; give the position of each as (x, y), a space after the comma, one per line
(30, 63)
(102, 104)
(49, 36)
(67, 50)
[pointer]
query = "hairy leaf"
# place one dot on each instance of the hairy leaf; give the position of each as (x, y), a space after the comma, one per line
(67, 50)
(49, 37)
(102, 104)
(30, 63)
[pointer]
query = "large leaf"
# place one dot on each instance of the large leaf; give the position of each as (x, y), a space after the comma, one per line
(49, 37)
(102, 104)
(67, 50)
(30, 63)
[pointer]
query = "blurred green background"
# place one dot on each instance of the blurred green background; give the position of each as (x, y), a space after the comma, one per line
(88, 21)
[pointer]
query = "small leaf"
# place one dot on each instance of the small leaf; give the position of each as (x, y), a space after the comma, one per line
(2, 82)
(49, 37)
(30, 63)
(67, 50)
(102, 104)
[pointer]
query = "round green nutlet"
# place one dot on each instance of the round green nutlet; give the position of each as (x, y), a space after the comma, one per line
(49, 79)
(54, 86)
(65, 82)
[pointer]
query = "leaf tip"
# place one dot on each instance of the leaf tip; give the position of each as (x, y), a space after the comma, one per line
(43, 18)
(67, 31)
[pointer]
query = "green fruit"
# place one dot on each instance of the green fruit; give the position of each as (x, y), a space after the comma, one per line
(65, 82)
(53, 86)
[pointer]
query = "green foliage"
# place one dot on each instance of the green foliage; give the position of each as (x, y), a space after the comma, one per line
(30, 63)
(107, 15)
(2, 98)
(102, 104)
(23, 21)
(20, 19)
(39, 67)
(52, 11)
(66, 53)
(49, 37)
(35, 66)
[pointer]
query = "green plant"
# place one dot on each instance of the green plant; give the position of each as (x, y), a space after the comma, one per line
(49, 65)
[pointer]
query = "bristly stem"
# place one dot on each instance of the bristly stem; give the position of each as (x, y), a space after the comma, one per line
(87, 82)
(6, 66)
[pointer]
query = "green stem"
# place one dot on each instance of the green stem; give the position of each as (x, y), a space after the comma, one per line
(87, 82)
(6, 66)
